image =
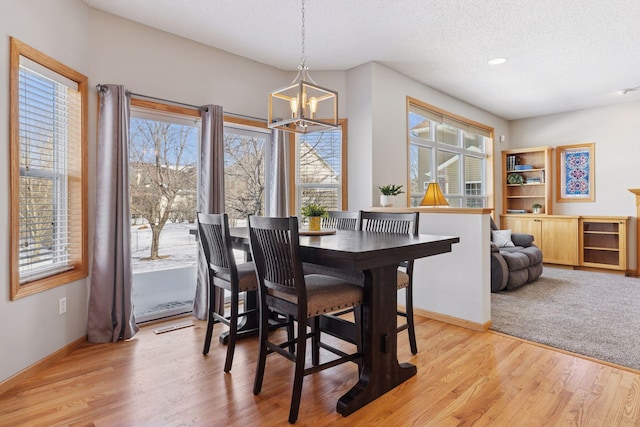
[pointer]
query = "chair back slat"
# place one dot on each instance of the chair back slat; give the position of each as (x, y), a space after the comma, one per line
(217, 250)
(387, 222)
(342, 220)
(275, 248)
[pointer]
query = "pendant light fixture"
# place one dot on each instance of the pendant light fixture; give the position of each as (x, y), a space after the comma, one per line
(303, 106)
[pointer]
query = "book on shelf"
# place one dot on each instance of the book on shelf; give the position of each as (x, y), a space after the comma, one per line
(516, 211)
(523, 167)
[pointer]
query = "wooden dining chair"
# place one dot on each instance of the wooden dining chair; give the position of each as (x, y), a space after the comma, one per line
(225, 274)
(398, 223)
(284, 288)
(337, 220)
(342, 220)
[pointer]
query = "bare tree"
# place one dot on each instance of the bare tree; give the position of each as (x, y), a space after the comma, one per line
(41, 212)
(163, 172)
(244, 175)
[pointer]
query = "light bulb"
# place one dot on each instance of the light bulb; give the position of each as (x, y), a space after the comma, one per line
(294, 106)
(304, 104)
(313, 106)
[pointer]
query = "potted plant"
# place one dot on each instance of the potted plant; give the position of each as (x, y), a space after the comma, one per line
(515, 178)
(536, 208)
(387, 192)
(314, 212)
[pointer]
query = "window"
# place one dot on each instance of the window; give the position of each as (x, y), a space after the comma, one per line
(450, 150)
(48, 172)
(246, 146)
(163, 177)
(319, 161)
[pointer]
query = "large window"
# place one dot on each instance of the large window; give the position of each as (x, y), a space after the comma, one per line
(245, 149)
(48, 172)
(451, 151)
(163, 163)
(163, 174)
(320, 165)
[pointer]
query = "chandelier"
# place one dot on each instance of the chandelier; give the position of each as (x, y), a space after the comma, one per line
(303, 106)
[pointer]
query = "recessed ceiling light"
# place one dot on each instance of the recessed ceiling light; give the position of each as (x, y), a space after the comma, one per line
(497, 61)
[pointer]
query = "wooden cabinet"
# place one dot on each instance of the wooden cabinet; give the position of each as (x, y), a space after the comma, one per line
(581, 241)
(526, 180)
(603, 242)
(555, 235)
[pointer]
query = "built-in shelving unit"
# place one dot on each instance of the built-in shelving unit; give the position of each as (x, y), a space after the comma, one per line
(526, 180)
(603, 242)
(578, 241)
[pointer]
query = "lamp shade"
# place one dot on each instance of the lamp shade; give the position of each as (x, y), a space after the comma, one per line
(433, 196)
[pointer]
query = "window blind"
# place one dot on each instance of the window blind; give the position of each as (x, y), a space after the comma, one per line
(50, 140)
(319, 169)
(450, 121)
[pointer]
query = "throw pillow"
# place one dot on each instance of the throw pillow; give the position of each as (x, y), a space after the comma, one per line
(502, 238)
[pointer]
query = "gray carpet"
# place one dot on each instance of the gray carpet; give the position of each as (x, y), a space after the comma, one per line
(593, 314)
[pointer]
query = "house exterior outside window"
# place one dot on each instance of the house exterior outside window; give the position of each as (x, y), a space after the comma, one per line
(319, 162)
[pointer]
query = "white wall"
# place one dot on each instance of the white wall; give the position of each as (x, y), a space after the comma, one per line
(360, 150)
(614, 129)
(456, 284)
(31, 327)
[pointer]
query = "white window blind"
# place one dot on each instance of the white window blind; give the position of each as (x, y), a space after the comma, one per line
(50, 140)
(319, 169)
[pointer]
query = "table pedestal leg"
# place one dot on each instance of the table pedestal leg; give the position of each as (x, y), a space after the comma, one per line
(381, 371)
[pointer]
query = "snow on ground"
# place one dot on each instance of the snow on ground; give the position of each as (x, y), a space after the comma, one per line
(176, 243)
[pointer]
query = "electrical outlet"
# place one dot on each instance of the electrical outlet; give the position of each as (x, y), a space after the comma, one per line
(62, 305)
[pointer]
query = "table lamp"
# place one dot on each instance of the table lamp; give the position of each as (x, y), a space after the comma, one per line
(433, 196)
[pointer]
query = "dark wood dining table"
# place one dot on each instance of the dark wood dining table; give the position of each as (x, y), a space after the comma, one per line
(376, 256)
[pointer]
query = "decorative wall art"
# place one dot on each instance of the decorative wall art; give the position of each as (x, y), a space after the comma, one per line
(575, 166)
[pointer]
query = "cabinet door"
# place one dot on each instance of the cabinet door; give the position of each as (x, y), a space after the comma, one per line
(523, 224)
(559, 240)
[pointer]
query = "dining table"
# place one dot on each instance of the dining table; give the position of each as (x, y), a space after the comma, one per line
(374, 257)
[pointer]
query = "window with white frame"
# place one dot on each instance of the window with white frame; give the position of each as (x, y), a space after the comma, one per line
(320, 169)
(449, 150)
(48, 172)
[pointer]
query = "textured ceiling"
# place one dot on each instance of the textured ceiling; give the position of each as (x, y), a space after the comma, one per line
(563, 55)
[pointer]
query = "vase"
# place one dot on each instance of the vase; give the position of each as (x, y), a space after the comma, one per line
(314, 223)
(385, 201)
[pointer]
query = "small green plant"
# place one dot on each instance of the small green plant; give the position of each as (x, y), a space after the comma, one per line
(313, 209)
(391, 190)
(515, 178)
(536, 206)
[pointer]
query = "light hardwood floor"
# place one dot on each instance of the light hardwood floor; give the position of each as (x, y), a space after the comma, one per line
(464, 378)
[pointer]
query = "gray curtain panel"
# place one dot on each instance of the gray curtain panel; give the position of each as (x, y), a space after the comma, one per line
(278, 194)
(110, 316)
(210, 197)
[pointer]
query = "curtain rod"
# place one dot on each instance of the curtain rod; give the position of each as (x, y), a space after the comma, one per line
(103, 88)
(195, 107)
(246, 117)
